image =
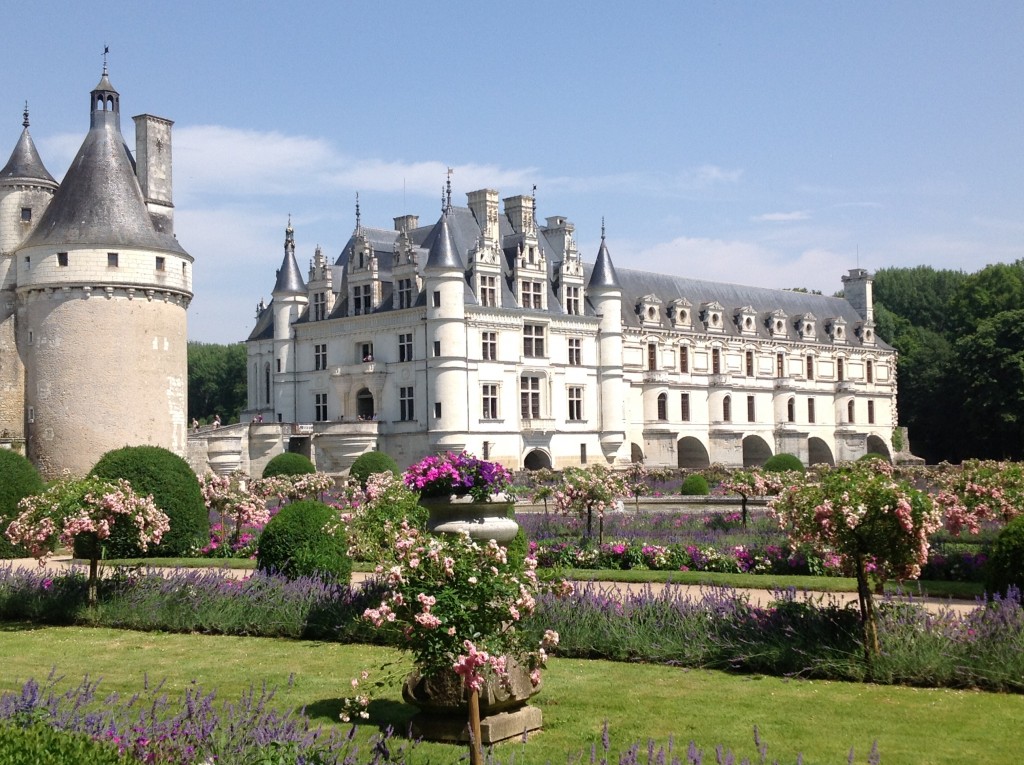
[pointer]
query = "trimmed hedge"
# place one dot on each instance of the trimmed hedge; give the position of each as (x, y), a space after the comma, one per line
(18, 479)
(780, 463)
(294, 544)
(1005, 566)
(695, 485)
(175, 490)
(369, 463)
(288, 463)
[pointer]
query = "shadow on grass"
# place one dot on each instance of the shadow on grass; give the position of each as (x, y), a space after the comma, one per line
(383, 712)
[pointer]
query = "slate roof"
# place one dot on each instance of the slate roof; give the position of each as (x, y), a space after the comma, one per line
(99, 202)
(25, 164)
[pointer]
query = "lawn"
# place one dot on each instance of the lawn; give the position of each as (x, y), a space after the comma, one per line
(820, 719)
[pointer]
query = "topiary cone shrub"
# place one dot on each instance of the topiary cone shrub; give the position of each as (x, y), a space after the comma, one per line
(1005, 567)
(18, 479)
(305, 539)
(175, 490)
(368, 463)
(694, 485)
(288, 463)
(780, 463)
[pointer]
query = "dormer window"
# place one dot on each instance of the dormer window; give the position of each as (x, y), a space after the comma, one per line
(836, 329)
(679, 311)
(866, 332)
(806, 326)
(745, 322)
(776, 323)
(648, 308)
(711, 315)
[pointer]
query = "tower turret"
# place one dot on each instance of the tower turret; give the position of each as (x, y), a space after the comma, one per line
(606, 295)
(102, 299)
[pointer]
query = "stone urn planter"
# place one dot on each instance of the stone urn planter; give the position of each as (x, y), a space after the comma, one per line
(443, 702)
(481, 520)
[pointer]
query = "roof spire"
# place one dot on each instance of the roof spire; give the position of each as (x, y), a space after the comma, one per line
(25, 121)
(359, 216)
(602, 228)
(447, 203)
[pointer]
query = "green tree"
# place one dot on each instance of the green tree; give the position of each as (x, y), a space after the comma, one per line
(989, 366)
(990, 291)
(216, 380)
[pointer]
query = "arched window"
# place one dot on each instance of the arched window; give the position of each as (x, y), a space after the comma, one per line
(849, 411)
(266, 384)
(663, 406)
(791, 410)
(727, 409)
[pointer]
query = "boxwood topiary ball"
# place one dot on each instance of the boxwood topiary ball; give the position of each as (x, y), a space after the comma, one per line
(294, 543)
(18, 479)
(288, 463)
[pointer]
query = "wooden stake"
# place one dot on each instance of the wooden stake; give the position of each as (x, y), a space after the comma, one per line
(476, 749)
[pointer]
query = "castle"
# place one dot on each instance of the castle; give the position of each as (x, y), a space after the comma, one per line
(94, 289)
(485, 330)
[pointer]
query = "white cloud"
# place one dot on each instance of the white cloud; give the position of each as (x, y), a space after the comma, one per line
(782, 217)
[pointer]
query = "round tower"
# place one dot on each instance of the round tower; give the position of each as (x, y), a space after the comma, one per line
(26, 189)
(447, 385)
(606, 295)
(290, 297)
(102, 293)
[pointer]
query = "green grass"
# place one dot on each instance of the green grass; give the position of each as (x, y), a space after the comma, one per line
(821, 719)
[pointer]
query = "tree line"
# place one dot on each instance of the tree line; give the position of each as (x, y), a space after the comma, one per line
(960, 339)
(216, 381)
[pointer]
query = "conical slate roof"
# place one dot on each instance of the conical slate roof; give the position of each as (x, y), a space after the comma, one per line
(99, 202)
(25, 164)
(443, 253)
(289, 278)
(603, 275)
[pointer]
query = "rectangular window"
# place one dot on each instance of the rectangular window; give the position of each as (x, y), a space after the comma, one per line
(573, 303)
(871, 412)
(319, 306)
(810, 367)
(750, 363)
(111, 260)
(529, 393)
(278, 364)
(780, 365)
(652, 356)
(366, 352)
(489, 291)
(26, 214)
(750, 409)
(533, 340)
(437, 298)
(716, 361)
(840, 370)
(405, 347)
(406, 412)
(871, 371)
(321, 407)
(575, 351)
(320, 356)
(437, 410)
(437, 348)
(575, 403)
(684, 407)
(810, 410)
(530, 294)
(684, 359)
(28, 262)
(405, 293)
(161, 263)
(363, 299)
(62, 259)
(583, 454)
(489, 345)
(489, 401)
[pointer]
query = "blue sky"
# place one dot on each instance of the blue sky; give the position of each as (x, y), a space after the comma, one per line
(776, 144)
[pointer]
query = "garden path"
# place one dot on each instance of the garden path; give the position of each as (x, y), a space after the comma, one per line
(613, 589)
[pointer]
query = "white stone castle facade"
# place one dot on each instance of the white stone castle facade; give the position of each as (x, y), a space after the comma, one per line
(486, 331)
(94, 289)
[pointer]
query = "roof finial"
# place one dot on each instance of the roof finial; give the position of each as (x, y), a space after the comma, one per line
(106, 50)
(288, 229)
(24, 122)
(602, 228)
(535, 196)
(359, 215)
(448, 191)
